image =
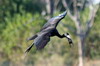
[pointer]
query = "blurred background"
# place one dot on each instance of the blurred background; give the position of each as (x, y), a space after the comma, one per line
(20, 19)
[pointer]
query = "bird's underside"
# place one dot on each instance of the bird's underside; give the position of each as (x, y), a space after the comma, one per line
(48, 30)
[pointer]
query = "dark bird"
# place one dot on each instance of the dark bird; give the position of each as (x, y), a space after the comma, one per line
(47, 31)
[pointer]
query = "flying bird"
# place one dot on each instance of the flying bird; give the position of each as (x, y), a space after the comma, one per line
(48, 30)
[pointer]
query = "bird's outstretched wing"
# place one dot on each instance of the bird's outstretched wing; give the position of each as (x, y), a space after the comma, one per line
(41, 41)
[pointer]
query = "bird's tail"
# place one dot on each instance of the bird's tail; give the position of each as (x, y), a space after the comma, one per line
(29, 48)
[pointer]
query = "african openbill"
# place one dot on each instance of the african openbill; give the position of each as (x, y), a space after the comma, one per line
(47, 31)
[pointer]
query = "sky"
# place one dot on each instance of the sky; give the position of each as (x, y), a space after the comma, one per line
(96, 1)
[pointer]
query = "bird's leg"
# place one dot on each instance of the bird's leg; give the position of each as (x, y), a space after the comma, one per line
(57, 34)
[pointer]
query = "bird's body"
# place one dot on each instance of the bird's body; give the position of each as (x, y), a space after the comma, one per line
(47, 31)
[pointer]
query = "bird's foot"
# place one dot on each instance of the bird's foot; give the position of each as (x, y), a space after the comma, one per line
(69, 39)
(71, 44)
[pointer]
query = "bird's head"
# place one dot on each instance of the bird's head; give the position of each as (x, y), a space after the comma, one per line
(57, 19)
(61, 16)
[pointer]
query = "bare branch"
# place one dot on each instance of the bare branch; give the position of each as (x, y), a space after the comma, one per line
(76, 17)
(56, 3)
(75, 7)
(84, 4)
(93, 11)
(67, 8)
(48, 6)
(81, 4)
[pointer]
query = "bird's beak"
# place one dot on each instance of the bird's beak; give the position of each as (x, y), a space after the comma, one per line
(63, 14)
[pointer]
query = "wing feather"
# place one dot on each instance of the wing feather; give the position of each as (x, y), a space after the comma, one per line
(41, 41)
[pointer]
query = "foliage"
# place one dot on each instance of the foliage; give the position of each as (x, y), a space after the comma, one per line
(16, 31)
(94, 39)
(11, 7)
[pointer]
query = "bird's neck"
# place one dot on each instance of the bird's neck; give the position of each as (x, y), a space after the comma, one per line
(57, 23)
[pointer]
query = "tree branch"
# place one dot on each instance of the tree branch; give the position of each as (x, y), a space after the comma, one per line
(75, 8)
(75, 17)
(56, 3)
(67, 8)
(84, 4)
(89, 24)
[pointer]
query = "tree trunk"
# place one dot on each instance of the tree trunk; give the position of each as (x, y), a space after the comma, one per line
(50, 7)
(81, 50)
